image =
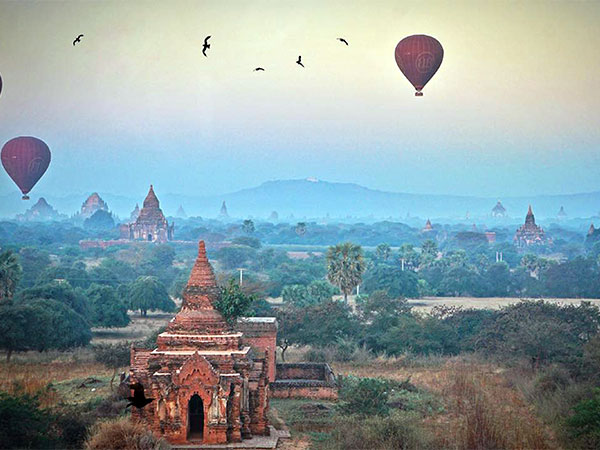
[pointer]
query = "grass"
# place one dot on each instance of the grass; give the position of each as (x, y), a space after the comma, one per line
(138, 329)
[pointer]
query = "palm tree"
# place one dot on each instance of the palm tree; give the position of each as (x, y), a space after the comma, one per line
(10, 274)
(345, 266)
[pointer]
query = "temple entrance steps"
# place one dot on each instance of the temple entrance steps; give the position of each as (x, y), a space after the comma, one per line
(255, 443)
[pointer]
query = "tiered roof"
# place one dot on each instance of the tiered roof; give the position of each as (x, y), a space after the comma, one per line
(151, 212)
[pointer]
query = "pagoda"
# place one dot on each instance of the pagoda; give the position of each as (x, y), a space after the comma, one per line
(561, 214)
(529, 233)
(150, 224)
(499, 210)
(428, 227)
(93, 203)
(223, 213)
(40, 212)
(209, 383)
(134, 214)
(181, 213)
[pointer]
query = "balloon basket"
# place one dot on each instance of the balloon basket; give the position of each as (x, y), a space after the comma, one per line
(418, 94)
(25, 197)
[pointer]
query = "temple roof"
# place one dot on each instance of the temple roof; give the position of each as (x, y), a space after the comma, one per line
(151, 200)
(499, 207)
(530, 218)
(202, 274)
(591, 230)
(562, 212)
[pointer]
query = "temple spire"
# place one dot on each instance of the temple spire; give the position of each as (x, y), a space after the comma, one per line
(202, 274)
(151, 199)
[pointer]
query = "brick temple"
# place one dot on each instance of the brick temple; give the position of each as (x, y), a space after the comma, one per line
(529, 233)
(150, 224)
(210, 382)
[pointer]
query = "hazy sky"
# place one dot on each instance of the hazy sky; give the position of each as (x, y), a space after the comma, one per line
(513, 109)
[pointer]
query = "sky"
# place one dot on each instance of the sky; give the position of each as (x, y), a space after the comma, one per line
(513, 109)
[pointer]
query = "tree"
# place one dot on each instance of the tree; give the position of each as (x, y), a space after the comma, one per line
(235, 257)
(113, 356)
(300, 228)
(75, 275)
(10, 274)
(162, 256)
(148, 294)
(321, 291)
(296, 294)
(345, 266)
(100, 220)
(396, 282)
(383, 252)
(41, 325)
(233, 302)
(24, 424)
(248, 226)
(410, 257)
(107, 310)
(62, 292)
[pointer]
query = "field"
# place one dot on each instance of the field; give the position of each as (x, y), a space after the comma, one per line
(425, 304)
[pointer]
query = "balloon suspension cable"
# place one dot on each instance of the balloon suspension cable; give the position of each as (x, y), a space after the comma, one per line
(418, 94)
(25, 197)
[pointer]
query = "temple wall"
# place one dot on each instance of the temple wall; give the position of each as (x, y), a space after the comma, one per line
(260, 333)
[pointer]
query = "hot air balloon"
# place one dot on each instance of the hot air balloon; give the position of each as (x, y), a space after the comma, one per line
(0, 84)
(25, 159)
(419, 57)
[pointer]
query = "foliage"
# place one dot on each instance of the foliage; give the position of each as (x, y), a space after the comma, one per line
(584, 424)
(396, 282)
(100, 220)
(123, 434)
(317, 291)
(41, 325)
(107, 310)
(247, 241)
(383, 252)
(235, 257)
(233, 302)
(60, 291)
(10, 274)
(147, 294)
(345, 266)
(248, 226)
(23, 424)
(363, 396)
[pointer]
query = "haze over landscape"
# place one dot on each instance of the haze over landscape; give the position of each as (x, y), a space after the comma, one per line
(315, 225)
(508, 114)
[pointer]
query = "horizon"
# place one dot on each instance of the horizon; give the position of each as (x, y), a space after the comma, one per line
(135, 103)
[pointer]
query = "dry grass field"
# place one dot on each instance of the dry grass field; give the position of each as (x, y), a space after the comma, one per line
(425, 304)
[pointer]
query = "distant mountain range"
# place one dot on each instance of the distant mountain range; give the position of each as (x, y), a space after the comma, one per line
(314, 198)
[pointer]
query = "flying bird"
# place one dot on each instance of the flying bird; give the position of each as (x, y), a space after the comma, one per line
(259, 68)
(343, 40)
(78, 39)
(206, 45)
(139, 400)
(299, 62)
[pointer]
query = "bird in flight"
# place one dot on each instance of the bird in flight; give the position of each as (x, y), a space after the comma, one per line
(206, 45)
(343, 40)
(259, 68)
(77, 39)
(299, 62)
(139, 400)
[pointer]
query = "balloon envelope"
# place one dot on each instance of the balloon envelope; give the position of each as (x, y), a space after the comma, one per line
(25, 159)
(419, 57)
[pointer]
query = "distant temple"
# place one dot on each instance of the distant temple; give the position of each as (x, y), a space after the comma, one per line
(223, 213)
(593, 235)
(529, 233)
(40, 212)
(209, 381)
(499, 210)
(91, 205)
(151, 224)
(273, 217)
(134, 214)
(562, 214)
(428, 227)
(180, 212)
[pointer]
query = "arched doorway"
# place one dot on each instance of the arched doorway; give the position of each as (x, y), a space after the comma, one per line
(195, 417)
(149, 237)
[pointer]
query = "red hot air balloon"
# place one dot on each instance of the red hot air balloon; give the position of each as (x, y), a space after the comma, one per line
(419, 57)
(25, 159)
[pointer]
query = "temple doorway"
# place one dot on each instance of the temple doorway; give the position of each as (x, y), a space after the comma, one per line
(195, 417)
(149, 237)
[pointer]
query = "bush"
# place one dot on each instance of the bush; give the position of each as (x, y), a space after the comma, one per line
(123, 434)
(22, 423)
(399, 431)
(584, 424)
(364, 396)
